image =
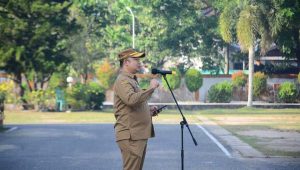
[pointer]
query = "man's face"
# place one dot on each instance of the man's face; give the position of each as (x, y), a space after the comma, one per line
(133, 65)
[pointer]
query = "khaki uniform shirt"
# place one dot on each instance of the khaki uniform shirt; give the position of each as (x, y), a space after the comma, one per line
(132, 113)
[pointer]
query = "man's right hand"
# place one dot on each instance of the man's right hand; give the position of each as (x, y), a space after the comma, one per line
(154, 83)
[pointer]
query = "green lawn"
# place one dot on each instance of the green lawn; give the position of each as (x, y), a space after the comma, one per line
(249, 118)
(260, 120)
(245, 118)
(107, 116)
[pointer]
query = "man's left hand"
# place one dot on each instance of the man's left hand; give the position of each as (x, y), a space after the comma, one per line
(153, 110)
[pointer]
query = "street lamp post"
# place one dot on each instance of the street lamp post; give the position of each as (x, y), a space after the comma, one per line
(133, 35)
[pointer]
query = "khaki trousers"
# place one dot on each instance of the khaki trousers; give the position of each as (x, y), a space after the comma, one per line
(133, 153)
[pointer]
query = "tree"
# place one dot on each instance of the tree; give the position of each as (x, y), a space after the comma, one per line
(195, 32)
(117, 32)
(284, 17)
(87, 47)
(247, 20)
(32, 39)
(194, 81)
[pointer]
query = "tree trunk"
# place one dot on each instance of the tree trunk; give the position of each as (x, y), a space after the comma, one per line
(83, 78)
(197, 95)
(20, 89)
(42, 85)
(35, 82)
(226, 57)
(31, 84)
(251, 72)
(45, 81)
(28, 84)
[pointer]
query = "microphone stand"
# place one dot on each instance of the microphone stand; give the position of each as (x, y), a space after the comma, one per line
(182, 123)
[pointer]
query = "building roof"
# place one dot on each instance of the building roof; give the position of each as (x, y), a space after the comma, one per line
(274, 52)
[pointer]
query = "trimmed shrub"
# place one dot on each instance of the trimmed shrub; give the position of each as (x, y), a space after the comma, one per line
(75, 96)
(3, 92)
(43, 99)
(220, 93)
(239, 79)
(95, 96)
(193, 80)
(299, 78)
(7, 90)
(287, 92)
(85, 96)
(259, 83)
(173, 80)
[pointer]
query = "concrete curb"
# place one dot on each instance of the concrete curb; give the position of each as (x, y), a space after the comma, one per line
(239, 148)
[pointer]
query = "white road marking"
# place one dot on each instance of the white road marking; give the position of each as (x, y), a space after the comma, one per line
(215, 141)
(11, 129)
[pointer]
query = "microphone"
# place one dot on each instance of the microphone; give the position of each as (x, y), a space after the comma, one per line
(162, 72)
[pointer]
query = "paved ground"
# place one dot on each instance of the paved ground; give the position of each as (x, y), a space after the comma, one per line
(92, 147)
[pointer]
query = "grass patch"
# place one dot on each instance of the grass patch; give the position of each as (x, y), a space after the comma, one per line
(106, 116)
(31, 117)
(248, 110)
(174, 118)
(280, 119)
(254, 142)
(247, 119)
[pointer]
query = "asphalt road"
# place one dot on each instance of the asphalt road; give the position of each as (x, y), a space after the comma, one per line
(92, 147)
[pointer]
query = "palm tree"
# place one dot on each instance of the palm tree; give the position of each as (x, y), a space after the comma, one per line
(245, 22)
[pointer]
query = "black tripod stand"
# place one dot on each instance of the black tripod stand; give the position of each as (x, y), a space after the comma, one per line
(182, 123)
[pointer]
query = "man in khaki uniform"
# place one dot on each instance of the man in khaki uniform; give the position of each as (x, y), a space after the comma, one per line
(133, 116)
